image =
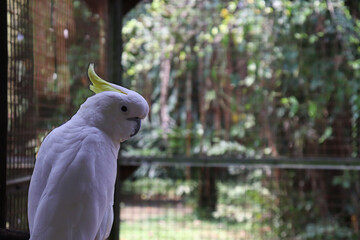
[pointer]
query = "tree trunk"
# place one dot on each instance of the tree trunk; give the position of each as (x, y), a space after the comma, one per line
(202, 103)
(207, 199)
(165, 70)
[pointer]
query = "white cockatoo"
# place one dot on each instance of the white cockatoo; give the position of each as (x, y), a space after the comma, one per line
(72, 188)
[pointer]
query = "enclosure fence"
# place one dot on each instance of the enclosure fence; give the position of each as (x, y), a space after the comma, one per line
(229, 198)
(39, 38)
(38, 82)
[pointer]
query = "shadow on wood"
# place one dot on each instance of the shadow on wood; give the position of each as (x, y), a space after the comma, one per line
(6, 234)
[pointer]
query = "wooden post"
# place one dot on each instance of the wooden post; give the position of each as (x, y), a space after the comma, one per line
(115, 39)
(115, 73)
(117, 9)
(3, 110)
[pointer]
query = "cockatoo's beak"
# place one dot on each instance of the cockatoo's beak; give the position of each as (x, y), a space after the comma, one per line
(137, 127)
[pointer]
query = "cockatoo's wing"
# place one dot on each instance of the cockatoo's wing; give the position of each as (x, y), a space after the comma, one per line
(70, 197)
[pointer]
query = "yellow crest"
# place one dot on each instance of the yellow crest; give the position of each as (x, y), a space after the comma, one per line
(100, 85)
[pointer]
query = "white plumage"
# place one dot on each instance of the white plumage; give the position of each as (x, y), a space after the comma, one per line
(72, 187)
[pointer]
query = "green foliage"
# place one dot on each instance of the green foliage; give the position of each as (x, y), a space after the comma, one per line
(325, 229)
(223, 148)
(148, 142)
(233, 197)
(254, 200)
(182, 227)
(289, 61)
(149, 188)
(242, 205)
(303, 214)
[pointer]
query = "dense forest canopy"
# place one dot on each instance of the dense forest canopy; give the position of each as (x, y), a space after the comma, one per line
(249, 78)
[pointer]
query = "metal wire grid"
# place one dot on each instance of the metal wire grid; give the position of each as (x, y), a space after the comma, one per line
(53, 25)
(38, 84)
(17, 205)
(39, 36)
(21, 119)
(21, 124)
(252, 203)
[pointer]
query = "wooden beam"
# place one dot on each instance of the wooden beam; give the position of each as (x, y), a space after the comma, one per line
(95, 5)
(13, 235)
(128, 5)
(115, 73)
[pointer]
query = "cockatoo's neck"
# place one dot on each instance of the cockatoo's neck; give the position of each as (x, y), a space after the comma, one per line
(82, 120)
(100, 116)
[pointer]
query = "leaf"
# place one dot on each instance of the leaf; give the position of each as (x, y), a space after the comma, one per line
(249, 80)
(327, 133)
(210, 96)
(214, 73)
(294, 106)
(312, 110)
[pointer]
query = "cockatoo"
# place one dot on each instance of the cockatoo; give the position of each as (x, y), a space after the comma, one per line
(72, 188)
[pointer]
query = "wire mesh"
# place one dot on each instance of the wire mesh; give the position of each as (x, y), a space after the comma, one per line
(20, 89)
(43, 80)
(267, 89)
(21, 121)
(235, 202)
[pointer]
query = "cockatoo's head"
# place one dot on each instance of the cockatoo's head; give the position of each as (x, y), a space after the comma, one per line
(114, 109)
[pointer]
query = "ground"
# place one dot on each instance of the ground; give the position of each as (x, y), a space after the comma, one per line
(164, 220)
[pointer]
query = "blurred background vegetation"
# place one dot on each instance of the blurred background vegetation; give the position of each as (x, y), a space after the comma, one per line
(252, 78)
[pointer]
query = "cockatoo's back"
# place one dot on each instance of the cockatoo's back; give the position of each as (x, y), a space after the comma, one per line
(73, 178)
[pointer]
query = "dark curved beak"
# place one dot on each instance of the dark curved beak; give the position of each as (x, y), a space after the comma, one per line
(138, 125)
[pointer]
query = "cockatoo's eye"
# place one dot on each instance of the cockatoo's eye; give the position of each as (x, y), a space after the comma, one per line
(124, 108)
